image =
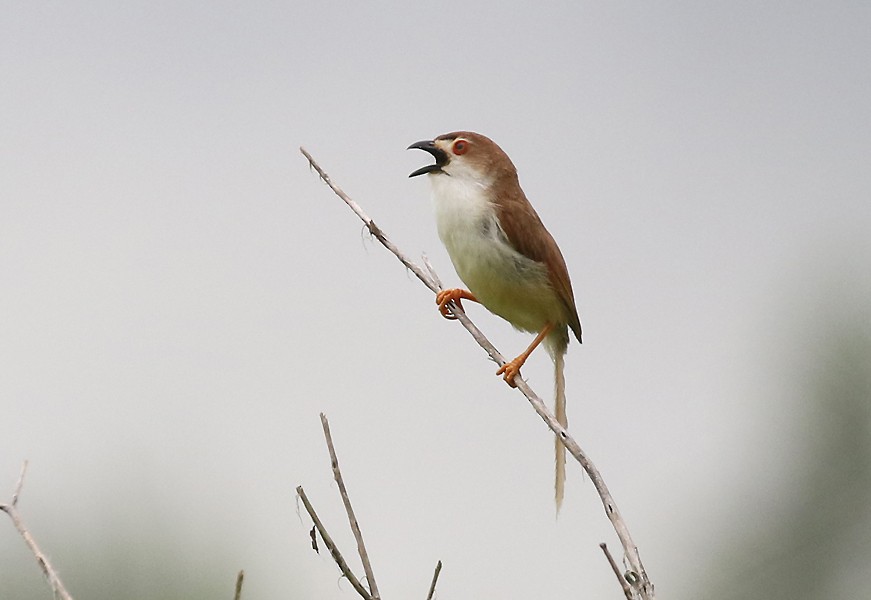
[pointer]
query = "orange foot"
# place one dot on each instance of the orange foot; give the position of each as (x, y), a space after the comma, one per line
(510, 370)
(445, 297)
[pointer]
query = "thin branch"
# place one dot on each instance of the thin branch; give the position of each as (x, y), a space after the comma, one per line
(370, 224)
(643, 586)
(355, 527)
(19, 484)
(627, 590)
(239, 579)
(11, 509)
(334, 550)
(435, 578)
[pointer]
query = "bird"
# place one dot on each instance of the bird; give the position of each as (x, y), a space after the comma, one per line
(503, 253)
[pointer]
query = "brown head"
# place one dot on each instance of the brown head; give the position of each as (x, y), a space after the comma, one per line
(466, 154)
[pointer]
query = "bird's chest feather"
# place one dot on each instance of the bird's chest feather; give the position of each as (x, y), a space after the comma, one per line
(504, 280)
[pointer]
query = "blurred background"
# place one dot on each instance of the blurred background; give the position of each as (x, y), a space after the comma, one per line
(181, 296)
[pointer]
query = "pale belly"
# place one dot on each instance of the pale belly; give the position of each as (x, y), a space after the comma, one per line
(507, 283)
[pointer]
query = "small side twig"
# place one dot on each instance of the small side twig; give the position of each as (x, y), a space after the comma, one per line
(352, 519)
(431, 271)
(435, 578)
(18, 485)
(48, 571)
(331, 546)
(642, 584)
(239, 579)
(627, 590)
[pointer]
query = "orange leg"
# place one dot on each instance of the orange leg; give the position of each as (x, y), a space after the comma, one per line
(512, 368)
(445, 297)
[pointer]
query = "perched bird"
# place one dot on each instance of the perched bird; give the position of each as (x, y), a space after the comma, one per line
(503, 253)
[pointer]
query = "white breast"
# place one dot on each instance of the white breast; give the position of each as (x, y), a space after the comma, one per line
(506, 282)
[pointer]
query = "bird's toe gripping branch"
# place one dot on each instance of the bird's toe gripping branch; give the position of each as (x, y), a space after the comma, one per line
(455, 295)
(510, 370)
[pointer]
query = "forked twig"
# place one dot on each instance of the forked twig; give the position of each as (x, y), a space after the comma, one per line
(331, 546)
(11, 509)
(352, 519)
(372, 593)
(642, 586)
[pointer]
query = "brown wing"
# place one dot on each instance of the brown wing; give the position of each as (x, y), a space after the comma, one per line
(535, 242)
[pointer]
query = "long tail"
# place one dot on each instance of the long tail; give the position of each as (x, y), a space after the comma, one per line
(560, 412)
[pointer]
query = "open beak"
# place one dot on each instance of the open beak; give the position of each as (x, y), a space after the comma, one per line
(440, 156)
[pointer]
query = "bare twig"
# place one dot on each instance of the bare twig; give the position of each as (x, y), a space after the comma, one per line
(334, 550)
(370, 224)
(48, 571)
(239, 579)
(431, 271)
(352, 519)
(627, 590)
(19, 484)
(643, 586)
(435, 578)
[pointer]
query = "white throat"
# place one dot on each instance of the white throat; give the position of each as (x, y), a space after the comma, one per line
(462, 206)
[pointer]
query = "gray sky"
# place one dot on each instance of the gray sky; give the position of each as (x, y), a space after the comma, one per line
(182, 296)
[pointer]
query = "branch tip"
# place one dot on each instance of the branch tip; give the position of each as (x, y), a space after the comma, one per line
(435, 578)
(239, 579)
(352, 519)
(627, 590)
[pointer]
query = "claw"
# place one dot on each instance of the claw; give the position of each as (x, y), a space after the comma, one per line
(509, 371)
(445, 297)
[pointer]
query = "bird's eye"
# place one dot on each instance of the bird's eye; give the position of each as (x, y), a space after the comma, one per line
(460, 147)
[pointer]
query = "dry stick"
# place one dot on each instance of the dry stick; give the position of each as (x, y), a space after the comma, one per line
(239, 579)
(51, 575)
(627, 590)
(331, 546)
(370, 224)
(435, 578)
(355, 527)
(638, 576)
